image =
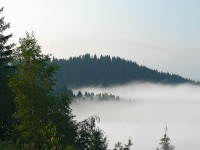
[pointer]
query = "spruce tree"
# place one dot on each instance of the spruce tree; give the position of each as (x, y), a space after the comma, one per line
(6, 100)
(5, 49)
(165, 142)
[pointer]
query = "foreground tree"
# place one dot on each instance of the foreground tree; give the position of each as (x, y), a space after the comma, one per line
(32, 86)
(127, 146)
(44, 120)
(6, 99)
(90, 137)
(62, 117)
(165, 142)
(5, 49)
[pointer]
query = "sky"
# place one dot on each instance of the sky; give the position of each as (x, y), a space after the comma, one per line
(160, 34)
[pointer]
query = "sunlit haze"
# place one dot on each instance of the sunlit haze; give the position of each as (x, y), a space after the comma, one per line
(160, 34)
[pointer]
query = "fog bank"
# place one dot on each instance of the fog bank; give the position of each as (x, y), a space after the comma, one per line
(144, 113)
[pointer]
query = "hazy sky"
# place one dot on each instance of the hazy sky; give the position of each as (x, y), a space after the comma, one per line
(160, 34)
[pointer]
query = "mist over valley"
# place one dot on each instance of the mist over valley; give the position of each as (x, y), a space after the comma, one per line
(143, 112)
(99, 75)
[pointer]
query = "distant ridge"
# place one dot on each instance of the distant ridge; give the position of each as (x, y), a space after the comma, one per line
(87, 70)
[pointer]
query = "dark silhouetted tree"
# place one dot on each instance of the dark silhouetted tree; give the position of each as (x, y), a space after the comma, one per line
(91, 137)
(62, 117)
(6, 99)
(127, 146)
(79, 94)
(165, 142)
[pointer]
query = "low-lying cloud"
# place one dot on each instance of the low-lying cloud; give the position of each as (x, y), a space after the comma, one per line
(144, 112)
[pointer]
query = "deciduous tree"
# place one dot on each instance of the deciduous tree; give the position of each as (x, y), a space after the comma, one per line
(32, 86)
(91, 137)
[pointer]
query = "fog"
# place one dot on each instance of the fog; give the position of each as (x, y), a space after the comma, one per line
(144, 112)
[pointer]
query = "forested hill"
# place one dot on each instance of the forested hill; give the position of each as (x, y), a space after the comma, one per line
(90, 70)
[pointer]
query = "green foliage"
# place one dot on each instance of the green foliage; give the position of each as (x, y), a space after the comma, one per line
(165, 142)
(6, 99)
(63, 120)
(46, 121)
(31, 86)
(49, 134)
(7, 145)
(89, 70)
(91, 137)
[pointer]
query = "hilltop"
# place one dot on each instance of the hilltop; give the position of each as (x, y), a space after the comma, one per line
(87, 70)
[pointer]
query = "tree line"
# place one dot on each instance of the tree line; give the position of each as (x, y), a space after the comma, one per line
(32, 116)
(92, 96)
(88, 70)
(83, 96)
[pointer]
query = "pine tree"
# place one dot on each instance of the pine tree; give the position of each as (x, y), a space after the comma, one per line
(165, 142)
(5, 50)
(6, 100)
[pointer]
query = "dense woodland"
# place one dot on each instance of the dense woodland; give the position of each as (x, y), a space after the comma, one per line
(32, 115)
(90, 70)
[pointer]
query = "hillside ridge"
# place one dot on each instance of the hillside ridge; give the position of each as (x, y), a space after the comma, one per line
(90, 70)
